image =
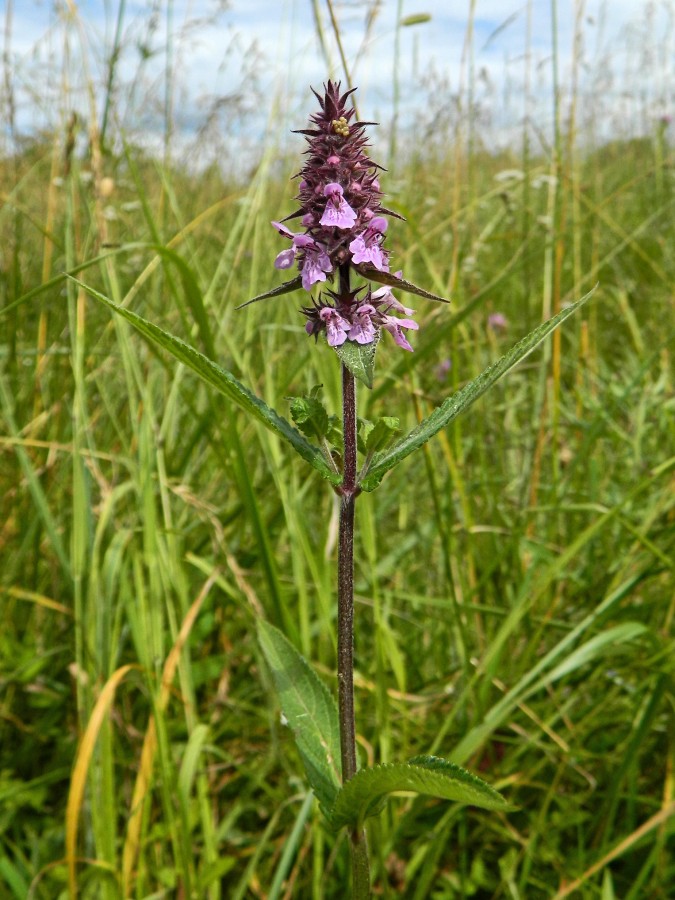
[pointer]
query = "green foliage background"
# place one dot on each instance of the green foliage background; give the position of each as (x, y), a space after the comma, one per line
(514, 580)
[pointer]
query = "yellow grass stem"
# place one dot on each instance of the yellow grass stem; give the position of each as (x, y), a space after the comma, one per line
(144, 777)
(78, 780)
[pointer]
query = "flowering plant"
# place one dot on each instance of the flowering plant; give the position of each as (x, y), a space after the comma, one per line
(345, 226)
(344, 230)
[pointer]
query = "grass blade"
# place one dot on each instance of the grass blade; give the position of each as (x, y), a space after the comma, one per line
(223, 381)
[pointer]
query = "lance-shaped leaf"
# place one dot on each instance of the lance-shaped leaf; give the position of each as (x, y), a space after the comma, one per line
(293, 285)
(373, 274)
(362, 795)
(359, 359)
(224, 382)
(462, 400)
(310, 711)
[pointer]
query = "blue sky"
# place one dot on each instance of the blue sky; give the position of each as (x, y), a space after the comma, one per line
(267, 52)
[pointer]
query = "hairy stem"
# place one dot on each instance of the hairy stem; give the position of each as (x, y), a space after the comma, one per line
(346, 581)
(345, 663)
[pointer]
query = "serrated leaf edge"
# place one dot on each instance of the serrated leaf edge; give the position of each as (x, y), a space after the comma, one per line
(430, 765)
(364, 373)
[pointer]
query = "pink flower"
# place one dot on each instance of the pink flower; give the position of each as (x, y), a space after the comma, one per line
(361, 323)
(366, 247)
(336, 327)
(314, 262)
(385, 301)
(394, 326)
(362, 329)
(384, 297)
(338, 213)
(443, 369)
(498, 322)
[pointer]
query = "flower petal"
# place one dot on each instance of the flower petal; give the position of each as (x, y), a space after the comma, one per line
(285, 259)
(338, 213)
(358, 250)
(286, 232)
(336, 326)
(362, 329)
(342, 216)
(332, 189)
(398, 336)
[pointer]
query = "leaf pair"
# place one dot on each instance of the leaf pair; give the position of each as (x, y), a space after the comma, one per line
(311, 417)
(311, 713)
(384, 460)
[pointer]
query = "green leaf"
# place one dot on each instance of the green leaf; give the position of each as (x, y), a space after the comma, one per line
(224, 382)
(361, 796)
(191, 760)
(14, 878)
(310, 710)
(462, 400)
(359, 359)
(192, 294)
(607, 640)
(363, 429)
(373, 274)
(376, 436)
(293, 285)
(310, 415)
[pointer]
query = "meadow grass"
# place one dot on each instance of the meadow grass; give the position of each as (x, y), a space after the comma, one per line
(514, 583)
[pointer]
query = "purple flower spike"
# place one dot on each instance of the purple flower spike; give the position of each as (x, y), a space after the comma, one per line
(338, 213)
(343, 232)
(338, 194)
(343, 228)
